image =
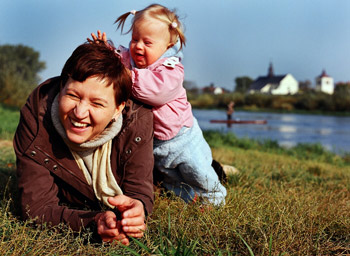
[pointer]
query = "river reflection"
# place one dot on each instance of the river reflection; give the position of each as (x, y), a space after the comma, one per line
(287, 129)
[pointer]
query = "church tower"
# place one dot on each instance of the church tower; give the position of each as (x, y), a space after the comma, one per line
(270, 72)
(325, 83)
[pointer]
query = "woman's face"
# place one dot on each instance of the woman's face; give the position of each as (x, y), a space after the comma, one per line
(86, 108)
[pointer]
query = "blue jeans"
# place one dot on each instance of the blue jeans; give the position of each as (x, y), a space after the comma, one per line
(185, 164)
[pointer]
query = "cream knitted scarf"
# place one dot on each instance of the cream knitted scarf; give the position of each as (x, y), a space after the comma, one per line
(93, 157)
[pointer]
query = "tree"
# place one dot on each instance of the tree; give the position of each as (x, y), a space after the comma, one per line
(189, 85)
(192, 90)
(19, 68)
(243, 83)
(342, 88)
(341, 96)
(305, 85)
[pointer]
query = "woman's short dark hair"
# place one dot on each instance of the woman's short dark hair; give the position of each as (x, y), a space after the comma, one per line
(100, 60)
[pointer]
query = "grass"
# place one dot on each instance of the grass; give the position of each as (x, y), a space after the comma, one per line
(8, 122)
(283, 202)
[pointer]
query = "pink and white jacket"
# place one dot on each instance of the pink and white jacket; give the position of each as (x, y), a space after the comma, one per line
(161, 86)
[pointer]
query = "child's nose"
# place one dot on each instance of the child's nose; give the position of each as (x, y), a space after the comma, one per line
(139, 45)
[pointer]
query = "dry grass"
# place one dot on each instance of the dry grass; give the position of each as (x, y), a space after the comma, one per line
(277, 205)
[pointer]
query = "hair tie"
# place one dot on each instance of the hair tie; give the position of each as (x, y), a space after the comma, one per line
(173, 24)
(133, 12)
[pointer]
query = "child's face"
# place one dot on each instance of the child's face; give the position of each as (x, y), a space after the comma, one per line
(150, 39)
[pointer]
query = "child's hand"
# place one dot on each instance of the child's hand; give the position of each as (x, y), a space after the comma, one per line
(98, 38)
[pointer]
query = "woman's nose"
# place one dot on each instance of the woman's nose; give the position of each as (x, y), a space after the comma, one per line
(81, 110)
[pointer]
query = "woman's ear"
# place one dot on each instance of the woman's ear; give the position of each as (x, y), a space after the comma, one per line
(118, 110)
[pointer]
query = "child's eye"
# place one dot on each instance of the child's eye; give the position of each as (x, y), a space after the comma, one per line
(148, 43)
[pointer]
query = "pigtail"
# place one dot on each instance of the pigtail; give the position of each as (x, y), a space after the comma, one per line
(121, 21)
(182, 38)
(175, 26)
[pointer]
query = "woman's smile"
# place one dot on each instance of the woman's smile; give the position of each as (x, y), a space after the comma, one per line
(78, 124)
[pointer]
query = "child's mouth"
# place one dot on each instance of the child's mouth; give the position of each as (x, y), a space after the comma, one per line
(139, 56)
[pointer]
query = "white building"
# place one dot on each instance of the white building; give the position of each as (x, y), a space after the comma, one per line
(325, 83)
(218, 90)
(276, 85)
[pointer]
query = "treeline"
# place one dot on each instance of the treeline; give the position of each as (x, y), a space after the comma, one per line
(19, 68)
(307, 100)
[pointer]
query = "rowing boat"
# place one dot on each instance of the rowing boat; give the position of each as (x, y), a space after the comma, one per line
(239, 121)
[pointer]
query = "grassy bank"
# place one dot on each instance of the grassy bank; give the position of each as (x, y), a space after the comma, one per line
(312, 102)
(283, 202)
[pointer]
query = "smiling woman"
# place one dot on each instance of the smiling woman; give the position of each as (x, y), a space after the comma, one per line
(86, 108)
(85, 150)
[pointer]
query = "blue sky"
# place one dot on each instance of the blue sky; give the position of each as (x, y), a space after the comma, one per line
(226, 38)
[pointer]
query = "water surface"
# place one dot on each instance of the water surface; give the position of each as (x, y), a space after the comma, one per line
(332, 132)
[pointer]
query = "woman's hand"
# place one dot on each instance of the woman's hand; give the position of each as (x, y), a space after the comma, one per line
(100, 37)
(109, 228)
(133, 215)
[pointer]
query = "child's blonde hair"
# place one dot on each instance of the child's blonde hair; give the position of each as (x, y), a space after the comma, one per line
(158, 12)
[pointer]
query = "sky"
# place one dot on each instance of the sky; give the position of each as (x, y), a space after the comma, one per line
(225, 38)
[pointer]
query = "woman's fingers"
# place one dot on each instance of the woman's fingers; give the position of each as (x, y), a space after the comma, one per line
(133, 215)
(127, 206)
(135, 231)
(137, 221)
(136, 234)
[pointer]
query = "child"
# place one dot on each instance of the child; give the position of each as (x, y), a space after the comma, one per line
(182, 155)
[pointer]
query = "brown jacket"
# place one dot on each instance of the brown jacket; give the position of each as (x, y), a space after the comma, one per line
(51, 185)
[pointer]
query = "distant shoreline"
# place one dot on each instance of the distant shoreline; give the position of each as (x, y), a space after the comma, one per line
(280, 111)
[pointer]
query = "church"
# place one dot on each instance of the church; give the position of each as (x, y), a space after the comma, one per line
(275, 84)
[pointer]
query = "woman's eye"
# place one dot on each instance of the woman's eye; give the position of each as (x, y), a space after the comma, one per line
(72, 95)
(98, 104)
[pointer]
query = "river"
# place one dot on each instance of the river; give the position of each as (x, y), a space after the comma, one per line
(332, 132)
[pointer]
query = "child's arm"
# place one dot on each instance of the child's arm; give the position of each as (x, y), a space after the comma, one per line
(160, 86)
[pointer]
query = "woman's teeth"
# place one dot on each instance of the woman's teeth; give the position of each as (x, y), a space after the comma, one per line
(77, 124)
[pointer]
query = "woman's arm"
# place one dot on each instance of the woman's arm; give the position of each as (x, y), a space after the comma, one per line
(138, 173)
(39, 192)
(39, 200)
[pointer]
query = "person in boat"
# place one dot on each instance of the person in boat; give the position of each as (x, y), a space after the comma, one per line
(230, 110)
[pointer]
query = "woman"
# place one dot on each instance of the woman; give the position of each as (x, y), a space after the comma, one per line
(82, 146)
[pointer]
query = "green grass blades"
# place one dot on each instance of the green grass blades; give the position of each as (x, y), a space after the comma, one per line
(278, 204)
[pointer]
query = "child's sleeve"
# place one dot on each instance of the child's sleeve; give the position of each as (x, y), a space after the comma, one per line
(160, 85)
